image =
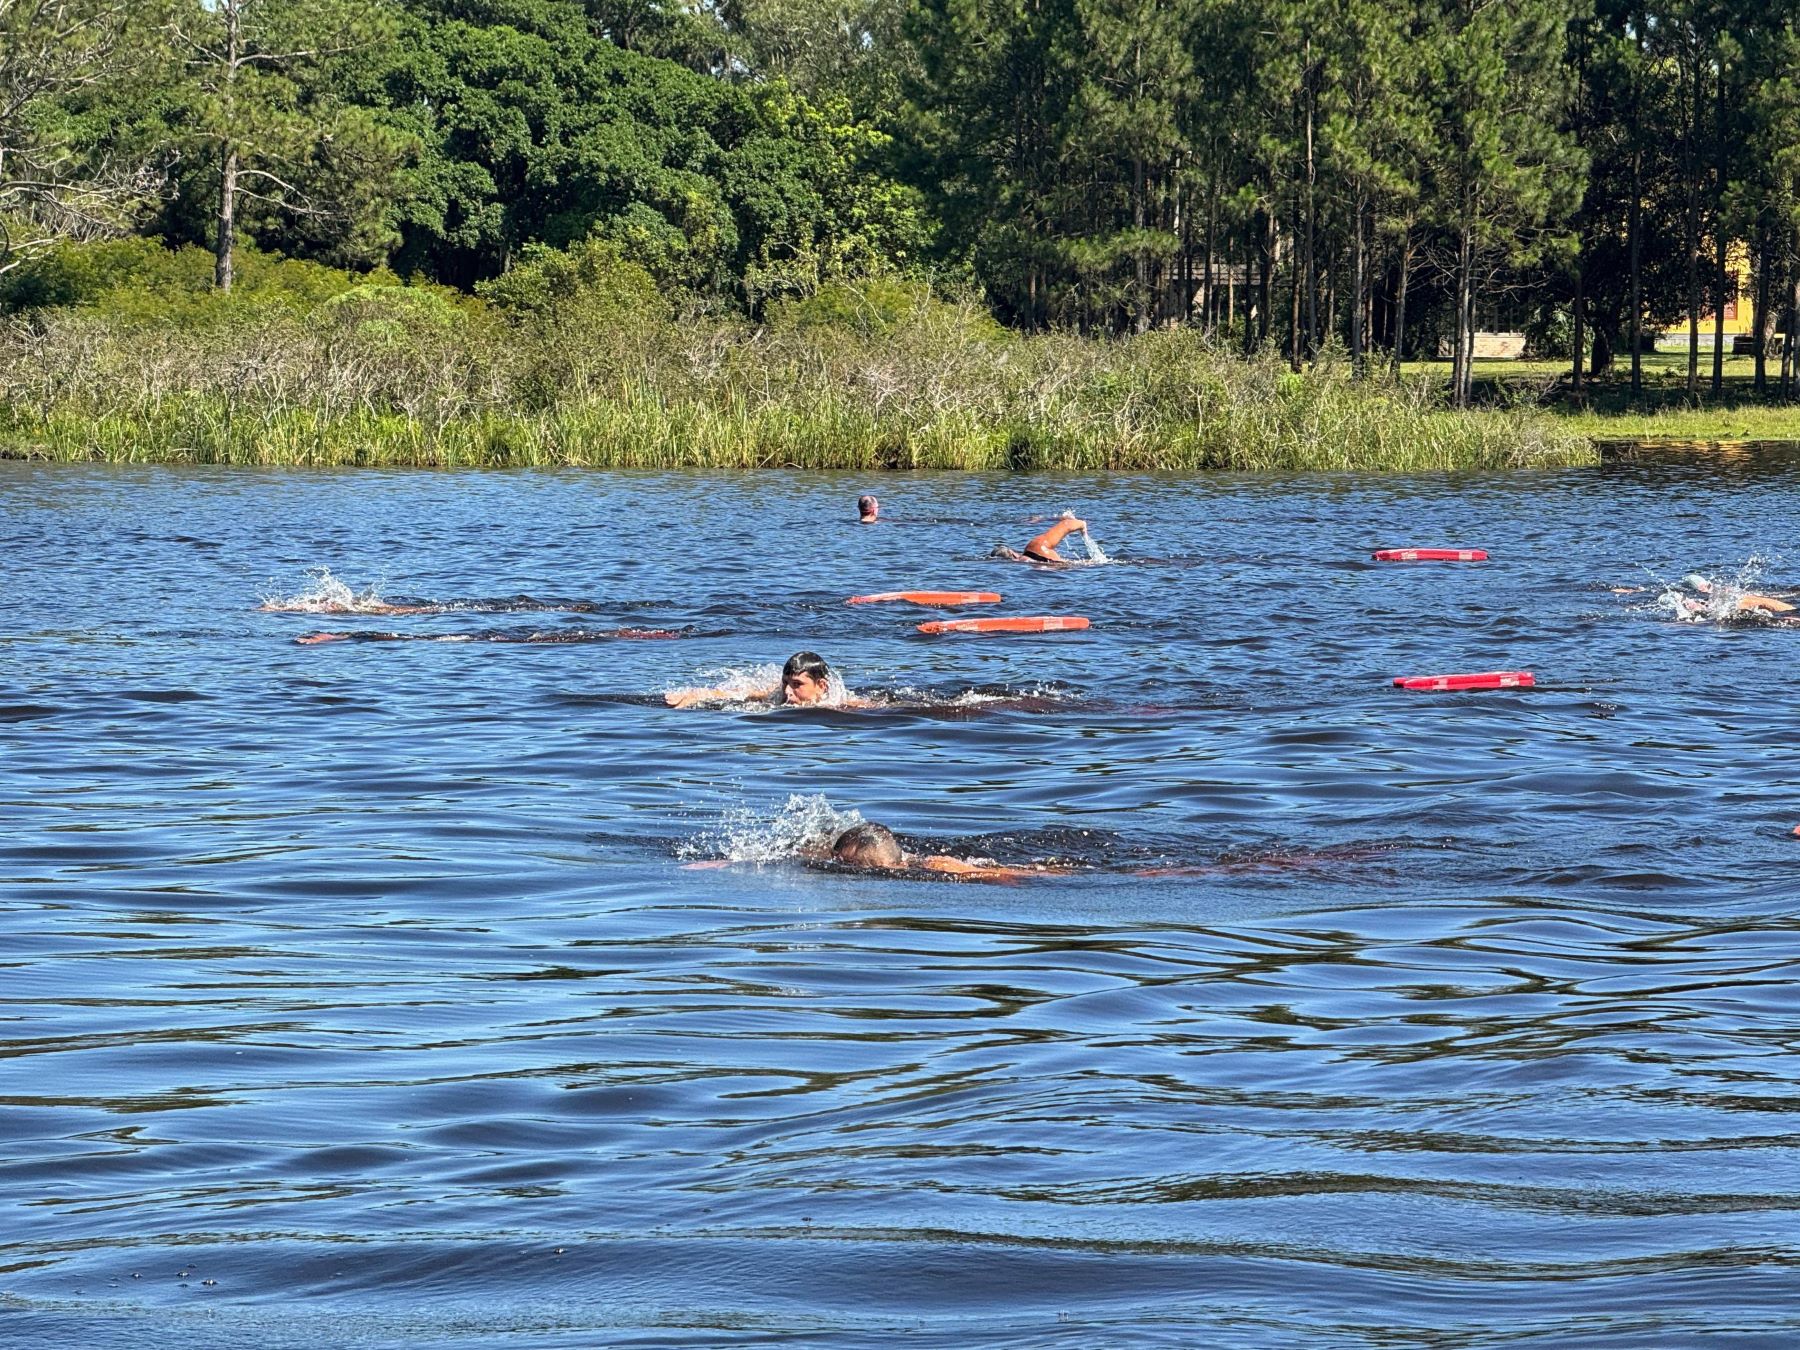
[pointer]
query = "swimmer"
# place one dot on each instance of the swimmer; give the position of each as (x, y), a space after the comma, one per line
(1747, 601)
(868, 510)
(545, 638)
(873, 848)
(515, 605)
(806, 681)
(1042, 549)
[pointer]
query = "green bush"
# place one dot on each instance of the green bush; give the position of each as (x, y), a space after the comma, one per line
(140, 280)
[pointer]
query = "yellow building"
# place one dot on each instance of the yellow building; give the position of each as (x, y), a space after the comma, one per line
(1740, 311)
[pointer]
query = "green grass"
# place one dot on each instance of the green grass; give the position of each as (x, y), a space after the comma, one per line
(940, 390)
(1607, 411)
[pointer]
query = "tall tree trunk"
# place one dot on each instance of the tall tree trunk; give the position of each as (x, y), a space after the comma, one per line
(1759, 307)
(1231, 287)
(1634, 228)
(1358, 284)
(1265, 289)
(1294, 302)
(1690, 233)
(223, 259)
(223, 243)
(1790, 357)
(1210, 303)
(1406, 251)
(1718, 361)
(1141, 321)
(1312, 221)
(1460, 382)
(1181, 295)
(1578, 319)
(1718, 364)
(1326, 333)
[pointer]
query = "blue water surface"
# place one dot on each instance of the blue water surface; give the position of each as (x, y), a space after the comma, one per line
(362, 993)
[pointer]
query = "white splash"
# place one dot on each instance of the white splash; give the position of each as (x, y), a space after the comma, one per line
(800, 825)
(1095, 554)
(1699, 598)
(741, 684)
(325, 594)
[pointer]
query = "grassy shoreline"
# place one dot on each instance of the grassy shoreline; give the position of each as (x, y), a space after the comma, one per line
(580, 359)
(647, 433)
(814, 401)
(388, 381)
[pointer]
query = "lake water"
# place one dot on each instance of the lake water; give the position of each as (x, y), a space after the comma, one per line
(361, 994)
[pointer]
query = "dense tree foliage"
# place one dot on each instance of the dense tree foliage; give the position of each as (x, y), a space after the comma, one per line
(1387, 176)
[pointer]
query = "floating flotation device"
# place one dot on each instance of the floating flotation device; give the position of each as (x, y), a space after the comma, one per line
(1429, 555)
(1019, 624)
(1490, 679)
(928, 598)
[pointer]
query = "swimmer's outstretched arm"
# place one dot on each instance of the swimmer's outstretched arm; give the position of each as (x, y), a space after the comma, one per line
(688, 698)
(1767, 603)
(968, 871)
(1045, 544)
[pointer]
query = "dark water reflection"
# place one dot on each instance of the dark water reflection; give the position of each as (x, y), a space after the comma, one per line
(356, 995)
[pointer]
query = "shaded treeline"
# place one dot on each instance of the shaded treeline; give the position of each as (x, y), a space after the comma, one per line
(1384, 176)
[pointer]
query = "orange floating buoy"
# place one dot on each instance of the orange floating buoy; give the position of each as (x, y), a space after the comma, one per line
(928, 598)
(1019, 624)
(1489, 679)
(1429, 555)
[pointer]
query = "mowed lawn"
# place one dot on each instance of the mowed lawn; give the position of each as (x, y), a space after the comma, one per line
(1606, 412)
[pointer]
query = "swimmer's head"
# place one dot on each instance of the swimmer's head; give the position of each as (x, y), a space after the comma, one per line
(871, 846)
(868, 510)
(805, 679)
(1695, 582)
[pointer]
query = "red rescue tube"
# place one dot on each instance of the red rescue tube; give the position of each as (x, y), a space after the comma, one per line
(1429, 555)
(1019, 624)
(928, 598)
(1489, 679)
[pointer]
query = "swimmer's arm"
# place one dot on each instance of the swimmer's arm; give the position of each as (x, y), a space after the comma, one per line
(957, 867)
(1767, 603)
(688, 698)
(1046, 542)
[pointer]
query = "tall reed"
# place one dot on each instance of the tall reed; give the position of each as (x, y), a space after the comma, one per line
(386, 376)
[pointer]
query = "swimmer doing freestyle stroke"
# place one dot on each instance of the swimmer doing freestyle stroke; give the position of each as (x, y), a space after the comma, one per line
(806, 681)
(1740, 602)
(870, 847)
(1745, 602)
(518, 604)
(873, 848)
(1042, 548)
(547, 637)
